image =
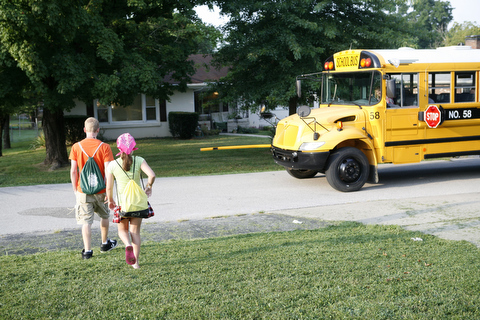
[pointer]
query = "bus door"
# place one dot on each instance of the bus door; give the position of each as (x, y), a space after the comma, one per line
(402, 124)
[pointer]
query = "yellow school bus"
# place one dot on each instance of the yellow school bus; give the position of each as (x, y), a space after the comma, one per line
(382, 106)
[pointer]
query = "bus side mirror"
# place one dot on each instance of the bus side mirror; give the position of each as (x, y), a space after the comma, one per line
(299, 88)
(303, 111)
(391, 88)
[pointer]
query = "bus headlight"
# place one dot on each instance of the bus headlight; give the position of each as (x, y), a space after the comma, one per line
(309, 146)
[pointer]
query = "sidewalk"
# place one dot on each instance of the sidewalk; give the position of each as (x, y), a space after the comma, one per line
(439, 198)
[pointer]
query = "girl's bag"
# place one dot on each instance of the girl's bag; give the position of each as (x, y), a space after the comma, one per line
(133, 202)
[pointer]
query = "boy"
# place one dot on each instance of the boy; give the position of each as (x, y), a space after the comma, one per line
(88, 204)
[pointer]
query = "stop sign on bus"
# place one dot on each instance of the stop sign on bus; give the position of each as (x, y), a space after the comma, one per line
(433, 116)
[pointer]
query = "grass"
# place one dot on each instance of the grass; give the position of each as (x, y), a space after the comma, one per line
(346, 271)
(168, 157)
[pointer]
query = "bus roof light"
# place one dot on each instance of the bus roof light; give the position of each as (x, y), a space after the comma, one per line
(366, 63)
(328, 65)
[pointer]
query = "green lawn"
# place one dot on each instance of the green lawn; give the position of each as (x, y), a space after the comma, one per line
(168, 157)
(343, 271)
(346, 271)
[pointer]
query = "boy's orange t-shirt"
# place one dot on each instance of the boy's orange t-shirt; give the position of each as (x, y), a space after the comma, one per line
(104, 154)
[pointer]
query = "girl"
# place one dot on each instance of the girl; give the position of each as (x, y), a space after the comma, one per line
(123, 169)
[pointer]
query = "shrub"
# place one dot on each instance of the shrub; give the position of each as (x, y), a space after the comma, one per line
(38, 142)
(183, 124)
(213, 132)
(247, 130)
(74, 128)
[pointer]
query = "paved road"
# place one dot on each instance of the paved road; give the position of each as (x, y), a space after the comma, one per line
(435, 197)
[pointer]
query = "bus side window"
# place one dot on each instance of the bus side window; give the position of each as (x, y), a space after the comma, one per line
(465, 86)
(439, 87)
(407, 89)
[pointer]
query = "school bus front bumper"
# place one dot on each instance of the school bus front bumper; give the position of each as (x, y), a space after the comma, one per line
(300, 159)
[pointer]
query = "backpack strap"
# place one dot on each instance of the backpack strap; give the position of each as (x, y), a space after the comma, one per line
(141, 177)
(87, 153)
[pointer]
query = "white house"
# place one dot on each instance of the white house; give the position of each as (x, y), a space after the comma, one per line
(148, 117)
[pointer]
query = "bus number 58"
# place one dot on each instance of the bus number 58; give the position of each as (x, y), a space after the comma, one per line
(467, 114)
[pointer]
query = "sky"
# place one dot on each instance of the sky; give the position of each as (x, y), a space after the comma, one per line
(463, 10)
(466, 10)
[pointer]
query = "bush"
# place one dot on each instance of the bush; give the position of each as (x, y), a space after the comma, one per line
(183, 124)
(213, 132)
(74, 128)
(38, 142)
(247, 130)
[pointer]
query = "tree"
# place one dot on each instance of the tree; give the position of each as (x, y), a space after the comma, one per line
(429, 21)
(458, 32)
(269, 43)
(87, 49)
(11, 97)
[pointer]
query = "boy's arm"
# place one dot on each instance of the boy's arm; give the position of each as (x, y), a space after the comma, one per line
(74, 174)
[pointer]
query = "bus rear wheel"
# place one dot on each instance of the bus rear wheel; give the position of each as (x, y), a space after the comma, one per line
(301, 174)
(347, 169)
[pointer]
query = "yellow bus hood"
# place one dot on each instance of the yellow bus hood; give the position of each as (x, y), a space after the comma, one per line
(292, 131)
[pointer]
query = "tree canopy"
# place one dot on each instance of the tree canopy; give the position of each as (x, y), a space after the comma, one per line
(269, 43)
(429, 21)
(89, 49)
(60, 51)
(459, 31)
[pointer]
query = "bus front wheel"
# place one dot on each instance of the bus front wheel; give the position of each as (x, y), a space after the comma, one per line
(347, 169)
(301, 174)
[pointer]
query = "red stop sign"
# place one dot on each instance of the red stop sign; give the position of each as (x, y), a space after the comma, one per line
(433, 116)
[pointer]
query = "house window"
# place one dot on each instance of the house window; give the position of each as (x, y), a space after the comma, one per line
(102, 112)
(150, 109)
(131, 112)
(143, 109)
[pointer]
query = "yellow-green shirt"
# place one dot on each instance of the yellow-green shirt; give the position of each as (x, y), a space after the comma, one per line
(115, 167)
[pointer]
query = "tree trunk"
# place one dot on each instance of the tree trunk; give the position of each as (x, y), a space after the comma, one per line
(6, 132)
(292, 105)
(2, 127)
(54, 132)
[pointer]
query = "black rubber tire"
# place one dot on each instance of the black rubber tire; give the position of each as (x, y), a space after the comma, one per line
(301, 174)
(347, 169)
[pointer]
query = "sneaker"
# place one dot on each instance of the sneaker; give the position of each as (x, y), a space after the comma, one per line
(108, 246)
(87, 255)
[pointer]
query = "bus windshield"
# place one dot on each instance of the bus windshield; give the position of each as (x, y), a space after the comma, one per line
(358, 88)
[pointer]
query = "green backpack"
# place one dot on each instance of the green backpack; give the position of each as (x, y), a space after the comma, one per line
(91, 178)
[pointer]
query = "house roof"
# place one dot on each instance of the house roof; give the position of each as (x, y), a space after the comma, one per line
(205, 72)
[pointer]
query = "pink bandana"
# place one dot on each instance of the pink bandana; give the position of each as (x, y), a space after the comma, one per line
(126, 144)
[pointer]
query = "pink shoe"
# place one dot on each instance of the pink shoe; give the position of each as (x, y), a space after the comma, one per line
(129, 256)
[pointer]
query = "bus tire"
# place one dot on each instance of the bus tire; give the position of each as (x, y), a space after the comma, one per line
(347, 169)
(301, 173)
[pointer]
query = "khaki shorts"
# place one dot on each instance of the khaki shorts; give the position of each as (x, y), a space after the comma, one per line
(88, 204)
